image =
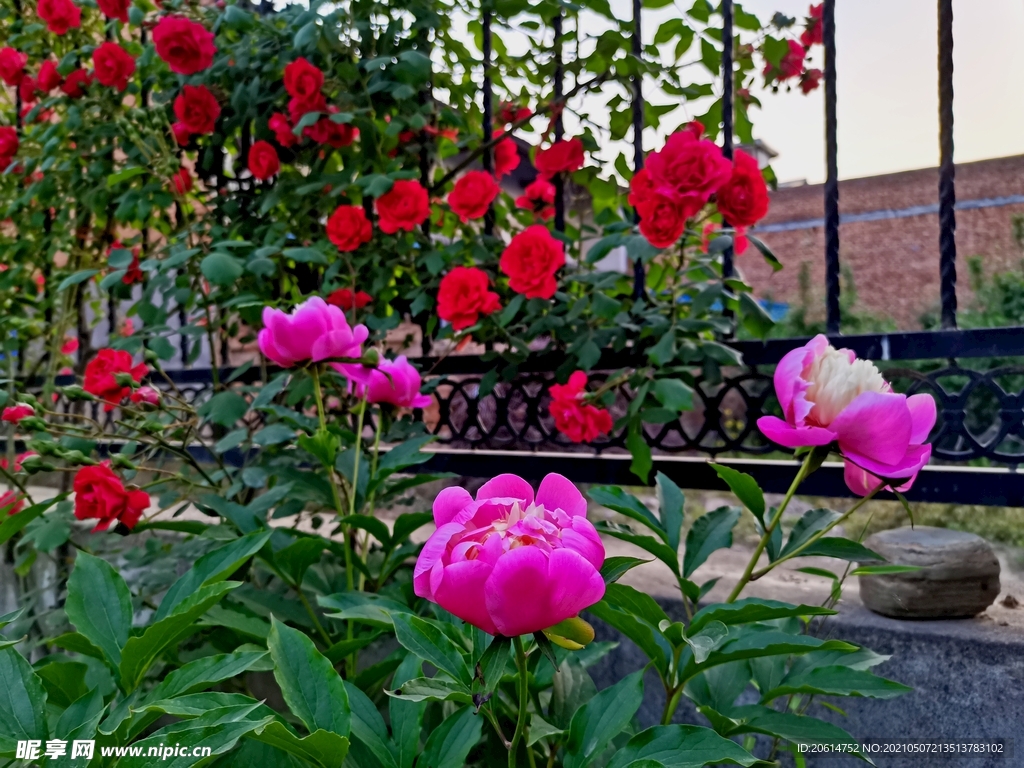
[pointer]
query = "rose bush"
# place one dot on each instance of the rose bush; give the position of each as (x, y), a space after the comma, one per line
(293, 192)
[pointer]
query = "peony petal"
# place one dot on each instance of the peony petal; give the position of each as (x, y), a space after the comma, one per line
(432, 553)
(788, 376)
(778, 431)
(518, 592)
(422, 401)
(583, 538)
(876, 425)
(449, 502)
(576, 585)
(461, 592)
(922, 417)
(859, 480)
(507, 486)
(558, 492)
(908, 464)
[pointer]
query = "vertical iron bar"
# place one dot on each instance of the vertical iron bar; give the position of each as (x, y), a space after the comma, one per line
(728, 267)
(488, 98)
(832, 311)
(639, 277)
(947, 171)
(426, 146)
(556, 25)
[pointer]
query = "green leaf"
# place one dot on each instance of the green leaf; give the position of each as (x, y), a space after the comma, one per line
(305, 255)
(14, 523)
(124, 174)
(571, 688)
(674, 394)
(493, 662)
(618, 500)
(755, 318)
(431, 644)
(615, 567)
(75, 279)
(450, 743)
(23, 703)
(791, 727)
(648, 639)
(375, 610)
(432, 689)
(841, 549)
(661, 551)
(542, 729)
(708, 639)
(680, 746)
(202, 673)
(755, 642)
(813, 521)
(210, 568)
(224, 408)
(99, 605)
(746, 489)
(601, 719)
(218, 730)
(295, 559)
(637, 603)
(752, 609)
(63, 680)
(766, 252)
(662, 353)
(273, 434)
(221, 269)
(142, 650)
(670, 508)
(837, 681)
(311, 687)
(709, 532)
(368, 728)
(406, 716)
(78, 643)
(884, 570)
(321, 747)
(640, 449)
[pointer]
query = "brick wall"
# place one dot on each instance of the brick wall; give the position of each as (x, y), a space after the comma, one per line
(895, 261)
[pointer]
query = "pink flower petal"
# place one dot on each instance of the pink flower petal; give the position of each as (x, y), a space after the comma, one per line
(584, 539)
(431, 554)
(778, 431)
(922, 417)
(876, 425)
(577, 584)
(449, 503)
(461, 592)
(908, 464)
(558, 492)
(518, 591)
(507, 486)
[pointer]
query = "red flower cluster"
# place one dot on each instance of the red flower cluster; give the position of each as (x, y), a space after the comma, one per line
(510, 112)
(15, 413)
(343, 298)
(113, 65)
(101, 376)
(187, 46)
(12, 66)
(348, 228)
(303, 82)
(577, 420)
(404, 206)
(133, 274)
(793, 63)
(563, 156)
(464, 295)
(282, 129)
(115, 9)
(48, 77)
(530, 260)
(506, 155)
(473, 194)
(812, 34)
(9, 143)
(197, 111)
(539, 197)
(76, 82)
(182, 181)
(59, 15)
(743, 199)
(100, 495)
(810, 80)
(12, 502)
(263, 160)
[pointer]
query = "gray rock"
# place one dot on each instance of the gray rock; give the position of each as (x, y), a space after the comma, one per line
(959, 574)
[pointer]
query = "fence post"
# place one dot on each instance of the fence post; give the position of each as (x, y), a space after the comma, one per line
(728, 267)
(832, 311)
(559, 132)
(947, 171)
(639, 276)
(488, 104)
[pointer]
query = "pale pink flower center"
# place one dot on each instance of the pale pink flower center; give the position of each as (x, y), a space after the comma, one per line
(835, 381)
(535, 526)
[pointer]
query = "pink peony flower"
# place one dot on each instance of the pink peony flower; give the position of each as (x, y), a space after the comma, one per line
(510, 563)
(315, 330)
(829, 396)
(393, 381)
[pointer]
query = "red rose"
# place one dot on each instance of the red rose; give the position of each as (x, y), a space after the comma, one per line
(405, 206)
(182, 181)
(115, 9)
(12, 66)
(743, 200)
(506, 155)
(282, 129)
(11, 501)
(59, 15)
(27, 90)
(791, 65)
(688, 170)
(531, 260)
(48, 77)
(113, 65)
(348, 227)
(661, 220)
(15, 413)
(509, 112)
(76, 82)
(739, 239)
(8, 145)
(70, 346)
(101, 379)
(326, 131)
(463, 296)
(472, 194)
(133, 273)
(197, 109)
(303, 81)
(181, 133)
(812, 34)
(579, 421)
(187, 46)
(100, 495)
(810, 80)
(538, 197)
(263, 160)
(297, 108)
(563, 156)
(343, 298)
(641, 188)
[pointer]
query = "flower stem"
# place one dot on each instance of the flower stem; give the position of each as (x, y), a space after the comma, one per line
(770, 528)
(524, 699)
